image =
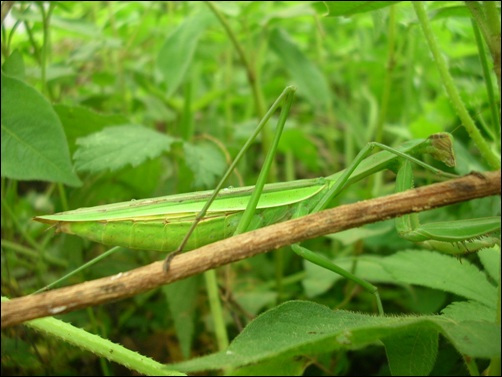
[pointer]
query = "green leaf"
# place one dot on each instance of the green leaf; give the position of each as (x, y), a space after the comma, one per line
(490, 258)
(348, 8)
(469, 311)
(474, 338)
(309, 79)
(297, 328)
(14, 65)
(33, 141)
(206, 162)
(116, 147)
(274, 367)
(456, 11)
(80, 121)
(439, 271)
(182, 298)
(176, 54)
(412, 352)
(418, 267)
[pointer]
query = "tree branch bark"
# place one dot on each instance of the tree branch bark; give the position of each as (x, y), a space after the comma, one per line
(246, 245)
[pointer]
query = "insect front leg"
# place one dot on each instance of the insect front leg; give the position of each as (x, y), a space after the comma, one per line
(323, 262)
(451, 237)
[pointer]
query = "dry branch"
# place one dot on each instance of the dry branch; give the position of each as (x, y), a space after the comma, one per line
(141, 279)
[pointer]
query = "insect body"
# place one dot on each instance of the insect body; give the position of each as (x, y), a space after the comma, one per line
(161, 223)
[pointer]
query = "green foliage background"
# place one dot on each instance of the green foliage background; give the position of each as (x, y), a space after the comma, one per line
(113, 101)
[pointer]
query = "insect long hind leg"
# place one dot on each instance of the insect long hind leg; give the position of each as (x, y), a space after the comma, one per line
(323, 262)
(287, 97)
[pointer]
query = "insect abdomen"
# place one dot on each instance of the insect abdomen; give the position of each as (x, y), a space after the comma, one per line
(153, 235)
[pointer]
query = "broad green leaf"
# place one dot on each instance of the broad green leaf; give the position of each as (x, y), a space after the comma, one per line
(469, 311)
(309, 79)
(475, 338)
(456, 11)
(33, 141)
(412, 352)
(14, 65)
(274, 367)
(182, 297)
(116, 147)
(348, 8)
(80, 121)
(423, 300)
(176, 54)
(299, 328)
(490, 258)
(439, 271)
(418, 267)
(128, 183)
(206, 162)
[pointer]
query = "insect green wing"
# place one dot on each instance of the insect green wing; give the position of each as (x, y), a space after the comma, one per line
(184, 206)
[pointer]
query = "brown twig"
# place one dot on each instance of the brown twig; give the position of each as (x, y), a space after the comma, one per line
(141, 279)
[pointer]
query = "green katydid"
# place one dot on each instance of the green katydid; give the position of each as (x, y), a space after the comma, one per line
(187, 221)
(161, 223)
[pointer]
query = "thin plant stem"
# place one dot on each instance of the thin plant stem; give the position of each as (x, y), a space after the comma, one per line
(483, 146)
(260, 107)
(471, 366)
(229, 171)
(18, 226)
(376, 180)
(252, 77)
(253, 201)
(486, 16)
(27, 252)
(216, 309)
(388, 75)
(323, 262)
(62, 196)
(495, 125)
(103, 348)
(84, 266)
